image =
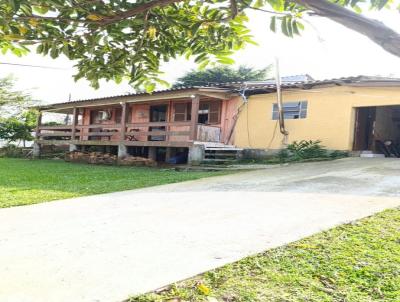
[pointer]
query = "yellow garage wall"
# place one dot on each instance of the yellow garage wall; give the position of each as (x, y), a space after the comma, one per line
(330, 116)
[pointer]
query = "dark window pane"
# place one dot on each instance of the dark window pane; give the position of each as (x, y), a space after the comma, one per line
(179, 117)
(189, 111)
(204, 106)
(182, 112)
(118, 115)
(180, 108)
(291, 110)
(203, 118)
(214, 106)
(214, 118)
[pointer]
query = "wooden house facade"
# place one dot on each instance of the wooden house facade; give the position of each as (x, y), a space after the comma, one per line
(154, 125)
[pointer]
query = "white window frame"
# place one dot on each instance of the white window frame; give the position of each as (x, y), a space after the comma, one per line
(292, 110)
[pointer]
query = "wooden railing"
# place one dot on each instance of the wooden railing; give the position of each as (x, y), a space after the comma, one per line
(144, 132)
(56, 131)
(108, 130)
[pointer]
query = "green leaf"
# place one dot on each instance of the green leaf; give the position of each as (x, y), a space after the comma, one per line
(65, 50)
(226, 60)
(295, 28)
(284, 27)
(259, 3)
(162, 82)
(272, 25)
(201, 58)
(277, 5)
(40, 49)
(41, 9)
(54, 51)
(289, 27)
(15, 4)
(204, 64)
(150, 87)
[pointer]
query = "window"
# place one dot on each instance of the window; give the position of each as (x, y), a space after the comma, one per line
(118, 115)
(291, 110)
(99, 116)
(182, 112)
(209, 113)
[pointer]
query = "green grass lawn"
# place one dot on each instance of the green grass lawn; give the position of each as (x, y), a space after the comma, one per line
(32, 181)
(358, 262)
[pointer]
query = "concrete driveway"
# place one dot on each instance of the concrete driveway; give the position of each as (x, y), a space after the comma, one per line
(107, 247)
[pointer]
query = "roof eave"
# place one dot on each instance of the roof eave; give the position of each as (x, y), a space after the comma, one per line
(220, 93)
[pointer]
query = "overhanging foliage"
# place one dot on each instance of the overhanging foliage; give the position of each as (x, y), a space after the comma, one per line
(118, 39)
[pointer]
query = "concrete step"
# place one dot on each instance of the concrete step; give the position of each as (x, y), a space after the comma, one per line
(218, 160)
(366, 152)
(223, 149)
(372, 155)
(214, 145)
(221, 155)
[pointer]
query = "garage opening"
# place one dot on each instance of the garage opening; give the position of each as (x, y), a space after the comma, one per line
(377, 130)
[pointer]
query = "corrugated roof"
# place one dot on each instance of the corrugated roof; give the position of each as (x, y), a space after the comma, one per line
(267, 87)
(255, 87)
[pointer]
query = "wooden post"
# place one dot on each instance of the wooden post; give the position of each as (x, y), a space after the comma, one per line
(123, 122)
(169, 120)
(39, 123)
(36, 146)
(74, 123)
(195, 117)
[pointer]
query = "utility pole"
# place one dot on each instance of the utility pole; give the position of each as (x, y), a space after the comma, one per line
(281, 114)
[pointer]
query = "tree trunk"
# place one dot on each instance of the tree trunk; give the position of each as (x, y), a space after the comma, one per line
(375, 30)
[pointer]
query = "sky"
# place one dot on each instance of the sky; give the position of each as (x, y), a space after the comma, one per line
(325, 50)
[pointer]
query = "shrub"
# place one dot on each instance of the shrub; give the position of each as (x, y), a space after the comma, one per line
(11, 151)
(300, 151)
(283, 155)
(338, 154)
(307, 150)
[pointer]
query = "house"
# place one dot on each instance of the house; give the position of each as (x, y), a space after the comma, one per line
(353, 114)
(158, 125)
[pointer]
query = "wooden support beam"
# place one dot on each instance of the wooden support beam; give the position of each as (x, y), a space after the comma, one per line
(55, 134)
(39, 122)
(158, 144)
(169, 118)
(169, 133)
(123, 121)
(74, 122)
(157, 124)
(116, 143)
(55, 142)
(195, 116)
(102, 134)
(103, 126)
(56, 127)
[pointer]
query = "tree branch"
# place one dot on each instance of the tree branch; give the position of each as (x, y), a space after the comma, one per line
(268, 11)
(234, 8)
(54, 19)
(119, 16)
(136, 11)
(375, 30)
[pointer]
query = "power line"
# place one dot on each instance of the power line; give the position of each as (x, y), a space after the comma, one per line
(33, 66)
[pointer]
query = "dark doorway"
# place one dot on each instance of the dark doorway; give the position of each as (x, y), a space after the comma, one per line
(161, 154)
(139, 151)
(158, 113)
(364, 128)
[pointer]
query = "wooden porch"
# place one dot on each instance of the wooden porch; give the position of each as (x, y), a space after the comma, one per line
(130, 135)
(173, 123)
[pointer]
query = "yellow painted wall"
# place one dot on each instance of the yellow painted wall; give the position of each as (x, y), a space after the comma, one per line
(330, 116)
